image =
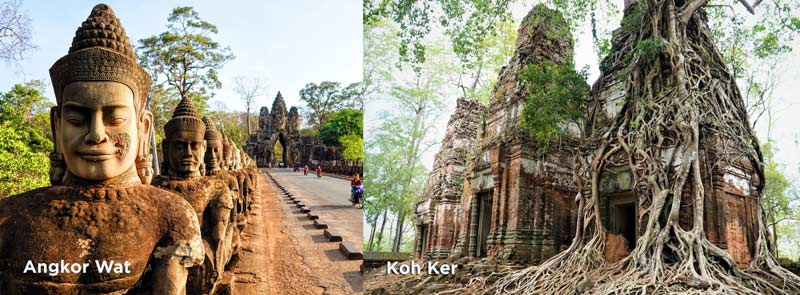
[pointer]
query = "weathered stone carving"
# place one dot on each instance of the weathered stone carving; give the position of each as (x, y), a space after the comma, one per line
(99, 207)
(282, 128)
(439, 204)
(212, 200)
(517, 202)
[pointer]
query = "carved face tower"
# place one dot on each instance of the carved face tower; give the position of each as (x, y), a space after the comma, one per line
(100, 125)
(184, 146)
(213, 156)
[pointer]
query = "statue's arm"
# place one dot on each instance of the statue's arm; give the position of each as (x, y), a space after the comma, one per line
(181, 248)
(221, 212)
(169, 277)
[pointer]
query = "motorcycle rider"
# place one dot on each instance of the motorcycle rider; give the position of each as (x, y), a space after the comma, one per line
(356, 189)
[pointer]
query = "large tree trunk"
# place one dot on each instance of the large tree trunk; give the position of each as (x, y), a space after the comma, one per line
(680, 96)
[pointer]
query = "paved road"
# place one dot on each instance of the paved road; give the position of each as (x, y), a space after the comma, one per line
(326, 197)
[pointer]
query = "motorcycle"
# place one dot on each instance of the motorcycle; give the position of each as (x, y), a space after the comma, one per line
(357, 196)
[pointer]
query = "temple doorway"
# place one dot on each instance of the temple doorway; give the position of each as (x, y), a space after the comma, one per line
(484, 221)
(622, 217)
(423, 232)
(278, 148)
(280, 153)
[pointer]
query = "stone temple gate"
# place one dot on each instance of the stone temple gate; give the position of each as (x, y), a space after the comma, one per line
(276, 128)
(278, 142)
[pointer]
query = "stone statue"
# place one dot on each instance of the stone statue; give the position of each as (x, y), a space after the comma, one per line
(212, 200)
(100, 207)
(214, 152)
(227, 153)
(214, 162)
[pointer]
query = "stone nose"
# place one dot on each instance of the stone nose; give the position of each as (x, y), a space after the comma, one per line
(97, 131)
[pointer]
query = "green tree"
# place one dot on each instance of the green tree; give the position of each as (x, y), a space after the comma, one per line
(353, 147)
(21, 168)
(341, 123)
(24, 139)
(380, 55)
(322, 100)
(185, 57)
(556, 99)
(778, 195)
(29, 111)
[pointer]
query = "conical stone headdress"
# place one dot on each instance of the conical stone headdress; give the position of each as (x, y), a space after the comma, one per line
(101, 51)
(211, 131)
(185, 118)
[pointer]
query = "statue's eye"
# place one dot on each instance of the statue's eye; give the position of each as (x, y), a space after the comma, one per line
(117, 121)
(75, 120)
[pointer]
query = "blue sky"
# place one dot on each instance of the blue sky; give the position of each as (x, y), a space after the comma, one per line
(286, 43)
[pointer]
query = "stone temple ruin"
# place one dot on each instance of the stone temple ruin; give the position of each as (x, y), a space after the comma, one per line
(278, 142)
(499, 197)
(180, 235)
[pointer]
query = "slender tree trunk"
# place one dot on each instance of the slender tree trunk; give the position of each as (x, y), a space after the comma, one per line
(247, 116)
(383, 225)
(372, 234)
(398, 236)
(775, 238)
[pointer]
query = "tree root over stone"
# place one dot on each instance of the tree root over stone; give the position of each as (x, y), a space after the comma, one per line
(681, 102)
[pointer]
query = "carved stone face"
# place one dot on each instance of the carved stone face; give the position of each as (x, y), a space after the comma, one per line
(213, 156)
(98, 129)
(185, 152)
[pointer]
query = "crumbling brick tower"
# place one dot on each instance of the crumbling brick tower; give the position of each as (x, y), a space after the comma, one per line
(731, 187)
(438, 207)
(518, 200)
(515, 202)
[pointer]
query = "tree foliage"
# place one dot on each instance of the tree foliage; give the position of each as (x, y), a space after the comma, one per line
(779, 198)
(21, 168)
(28, 111)
(556, 99)
(468, 23)
(353, 147)
(341, 123)
(324, 99)
(185, 57)
(24, 140)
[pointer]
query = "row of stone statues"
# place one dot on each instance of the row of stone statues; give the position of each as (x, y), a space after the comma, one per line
(176, 236)
(205, 167)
